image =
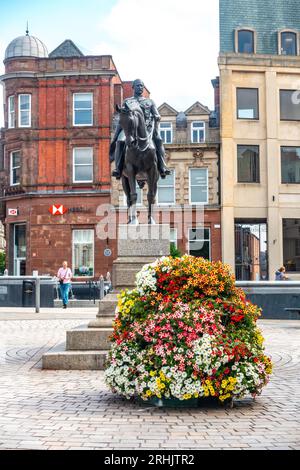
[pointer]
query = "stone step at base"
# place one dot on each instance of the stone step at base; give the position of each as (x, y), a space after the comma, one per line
(78, 303)
(89, 339)
(100, 322)
(60, 359)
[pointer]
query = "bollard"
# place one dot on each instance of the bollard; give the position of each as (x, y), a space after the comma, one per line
(37, 294)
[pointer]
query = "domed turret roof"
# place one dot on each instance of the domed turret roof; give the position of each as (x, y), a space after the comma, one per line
(26, 46)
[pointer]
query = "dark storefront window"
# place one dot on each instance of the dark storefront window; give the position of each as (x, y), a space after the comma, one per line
(20, 250)
(289, 105)
(251, 257)
(247, 103)
(288, 43)
(290, 165)
(291, 244)
(248, 163)
(246, 41)
(199, 242)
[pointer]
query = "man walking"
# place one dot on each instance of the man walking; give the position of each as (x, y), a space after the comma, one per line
(64, 276)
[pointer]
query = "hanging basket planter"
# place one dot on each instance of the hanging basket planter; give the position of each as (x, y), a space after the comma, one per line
(185, 334)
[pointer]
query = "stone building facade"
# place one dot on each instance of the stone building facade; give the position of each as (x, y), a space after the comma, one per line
(189, 199)
(260, 136)
(54, 168)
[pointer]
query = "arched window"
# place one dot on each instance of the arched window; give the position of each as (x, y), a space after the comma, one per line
(245, 41)
(288, 43)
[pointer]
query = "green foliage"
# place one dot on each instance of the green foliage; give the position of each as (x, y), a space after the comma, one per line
(174, 252)
(2, 262)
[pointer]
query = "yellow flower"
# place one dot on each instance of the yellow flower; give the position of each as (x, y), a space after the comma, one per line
(162, 376)
(148, 393)
(187, 396)
(152, 373)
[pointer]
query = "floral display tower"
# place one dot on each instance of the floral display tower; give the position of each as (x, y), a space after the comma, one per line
(185, 332)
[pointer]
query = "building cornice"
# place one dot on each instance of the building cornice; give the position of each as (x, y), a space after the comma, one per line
(192, 147)
(38, 75)
(51, 194)
(259, 60)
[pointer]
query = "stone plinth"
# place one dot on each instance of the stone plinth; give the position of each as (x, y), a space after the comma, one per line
(138, 245)
(143, 240)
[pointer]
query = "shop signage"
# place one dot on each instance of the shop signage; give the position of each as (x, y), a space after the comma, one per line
(79, 209)
(58, 209)
(13, 212)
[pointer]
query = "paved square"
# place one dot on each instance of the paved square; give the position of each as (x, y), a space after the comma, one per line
(74, 409)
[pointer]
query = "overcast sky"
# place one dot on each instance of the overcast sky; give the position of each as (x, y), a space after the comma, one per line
(171, 44)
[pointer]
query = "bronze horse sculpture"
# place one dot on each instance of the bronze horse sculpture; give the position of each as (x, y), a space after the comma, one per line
(140, 165)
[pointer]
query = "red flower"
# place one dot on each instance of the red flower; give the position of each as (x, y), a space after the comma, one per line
(237, 318)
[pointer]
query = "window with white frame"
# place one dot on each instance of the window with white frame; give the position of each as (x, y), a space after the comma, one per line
(198, 186)
(139, 192)
(83, 253)
(24, 110)
(199, 242)
(15, 168)
(198, 132)
(173, 236)
(83, 109)
(83, 165)
(166, 132)
(11, 112)
(166, 189)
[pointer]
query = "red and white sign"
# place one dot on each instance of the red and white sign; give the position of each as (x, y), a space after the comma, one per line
(58, 209)
(12, 212)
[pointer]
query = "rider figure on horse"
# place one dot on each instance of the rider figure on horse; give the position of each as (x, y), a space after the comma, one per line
(152, 118)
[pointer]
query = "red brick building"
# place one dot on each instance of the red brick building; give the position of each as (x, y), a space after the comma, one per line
(55, 174)
(54, 151)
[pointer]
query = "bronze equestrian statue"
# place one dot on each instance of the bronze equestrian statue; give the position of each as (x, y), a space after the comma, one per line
(137, 149)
